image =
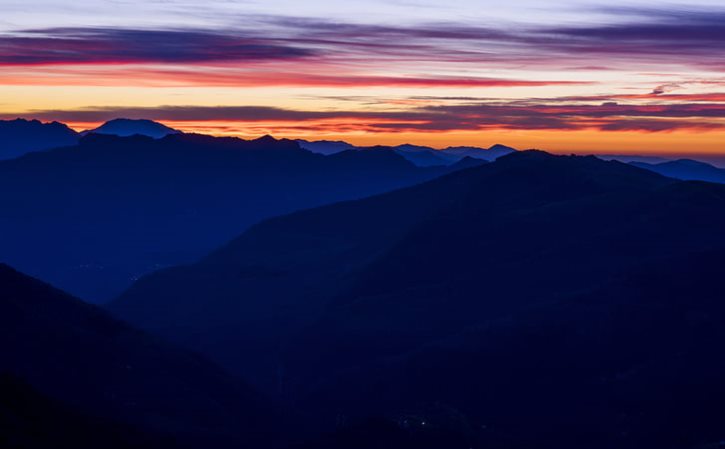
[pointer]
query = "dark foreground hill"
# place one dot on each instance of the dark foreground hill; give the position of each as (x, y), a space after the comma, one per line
(32, 420)
(538, 301)
(93, 217)
(72, 376)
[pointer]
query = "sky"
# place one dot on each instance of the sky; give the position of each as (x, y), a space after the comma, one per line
(637, 76)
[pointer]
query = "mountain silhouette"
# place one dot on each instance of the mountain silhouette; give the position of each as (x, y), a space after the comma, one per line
(93, 217)
(76, 366)
(421, 156)
(124, 127)
(20, 136)
(486, 154)
(629, 158)
(686, 169)
(425, 156)
(507, 303)
(325, 147)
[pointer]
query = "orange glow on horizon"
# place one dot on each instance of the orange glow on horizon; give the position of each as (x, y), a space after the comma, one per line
(593, 88)
(561, 142)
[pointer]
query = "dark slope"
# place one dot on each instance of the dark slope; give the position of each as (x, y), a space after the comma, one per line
(31, 420)
(72, 359)
(124, 127)
(420, 302)
(686, 169)
(289, 268)
(467, 162)
(20, 136)
(562, 226)
(405, 432)
(93, 217)
(634, 363)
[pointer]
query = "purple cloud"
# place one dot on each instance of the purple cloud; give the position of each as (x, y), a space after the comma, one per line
(114, 45)
(658, 37)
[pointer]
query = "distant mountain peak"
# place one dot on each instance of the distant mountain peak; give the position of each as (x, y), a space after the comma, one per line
(125, 127)
(267, 138)
(486, 154)
(685, 169)
(325, 147)
(691, 162)
(20, 136)
(412, 147)
(35, 122)
(529, 155)
(499, 147)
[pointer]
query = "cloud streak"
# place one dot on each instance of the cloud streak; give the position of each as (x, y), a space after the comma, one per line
(658, 38)
(257, 77)
(125, 46)
(431, 118)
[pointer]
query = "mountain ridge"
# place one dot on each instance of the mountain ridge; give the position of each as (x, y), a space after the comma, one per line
(346, 239)
(420, 155)
(386, 293)
(110, 208)
(686, 169)
(21, 136)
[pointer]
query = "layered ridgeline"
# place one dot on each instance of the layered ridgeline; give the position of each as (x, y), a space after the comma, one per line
(419, 155)
(686, 169)
(20, 136)
(91, 218)
(72, 376)
(537, 301)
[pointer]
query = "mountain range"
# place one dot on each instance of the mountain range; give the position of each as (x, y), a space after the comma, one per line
(127, 198)
(686, 169)
(537, 301)
(21, 136)
(110, 209)
(368, 297)
(421, 156)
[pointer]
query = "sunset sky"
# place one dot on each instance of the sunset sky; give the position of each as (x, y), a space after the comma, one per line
(587, 76)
